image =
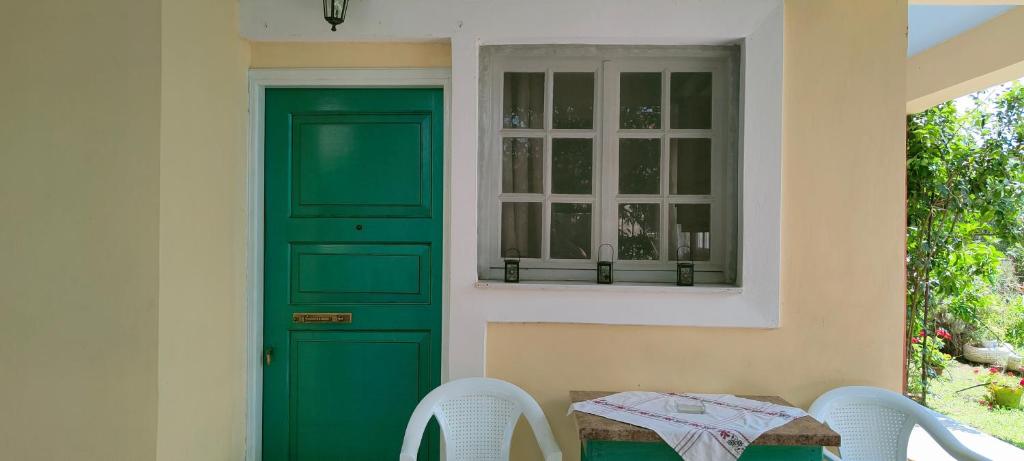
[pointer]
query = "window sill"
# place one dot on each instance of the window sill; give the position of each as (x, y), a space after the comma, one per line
(615, 287)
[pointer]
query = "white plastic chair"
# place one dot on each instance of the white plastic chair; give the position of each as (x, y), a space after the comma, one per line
(477, 417)
(875, 424)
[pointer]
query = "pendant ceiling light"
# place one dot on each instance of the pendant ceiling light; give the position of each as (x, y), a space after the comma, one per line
(334, 12)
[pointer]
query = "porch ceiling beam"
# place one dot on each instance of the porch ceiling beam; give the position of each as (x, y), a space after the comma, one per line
(990, 54)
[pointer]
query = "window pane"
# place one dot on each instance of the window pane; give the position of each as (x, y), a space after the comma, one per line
(639, 166)
(522, 165)
(690, 100)
(524, 100)
(521, 229)
(570, 230)
(690, 232)
(573, 100)
(640, 100)
(638, 231)
(572, 165)
(689, 171)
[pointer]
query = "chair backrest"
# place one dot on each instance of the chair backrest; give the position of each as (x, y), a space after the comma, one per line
(477, 417)
(875, 424)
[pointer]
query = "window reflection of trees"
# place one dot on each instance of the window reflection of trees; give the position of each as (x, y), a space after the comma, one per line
(641, 117)
(572, 166)
(639, 166)
(638, 231)
(570, 230)
(573, 102)
(640, 100)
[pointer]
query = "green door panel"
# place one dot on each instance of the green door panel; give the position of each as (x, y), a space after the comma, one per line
(361, 165)
(599, 450)
(360, 273)
(358, 386)
(353, 224)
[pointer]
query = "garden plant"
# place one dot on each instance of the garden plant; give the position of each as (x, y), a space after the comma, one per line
(965, 235)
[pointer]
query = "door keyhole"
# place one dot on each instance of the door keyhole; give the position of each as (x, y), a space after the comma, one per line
(359, 227)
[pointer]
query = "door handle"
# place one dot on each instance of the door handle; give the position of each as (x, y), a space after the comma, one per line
(268, 356)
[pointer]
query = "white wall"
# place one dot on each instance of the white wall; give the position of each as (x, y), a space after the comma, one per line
(523, 21)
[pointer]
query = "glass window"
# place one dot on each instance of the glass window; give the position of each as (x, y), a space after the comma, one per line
(570, 230)
(524, 100)
(639, 166)
(638, 231)
(573, 100)
(690, 232)
(586, 157)
(521, 228)
(640, 100)
(689, 167)
(522, 165)
(690, 100)
(572, 166)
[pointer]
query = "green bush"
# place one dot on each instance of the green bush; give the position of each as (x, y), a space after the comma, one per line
(1013, 324)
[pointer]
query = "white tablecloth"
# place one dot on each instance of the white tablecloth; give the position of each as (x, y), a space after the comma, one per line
(728, 425)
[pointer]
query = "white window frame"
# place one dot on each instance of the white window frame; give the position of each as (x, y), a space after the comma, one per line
(607, 62)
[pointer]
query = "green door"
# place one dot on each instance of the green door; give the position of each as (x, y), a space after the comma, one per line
(353, 228)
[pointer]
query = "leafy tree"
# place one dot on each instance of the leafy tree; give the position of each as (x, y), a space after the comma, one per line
(965, 197)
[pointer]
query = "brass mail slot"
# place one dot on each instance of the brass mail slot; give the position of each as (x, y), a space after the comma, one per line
(322, 317)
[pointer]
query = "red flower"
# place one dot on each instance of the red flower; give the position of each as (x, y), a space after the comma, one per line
(993, 370)
(1022, 382)
(915, 341)
(944, 334)
(921, 333)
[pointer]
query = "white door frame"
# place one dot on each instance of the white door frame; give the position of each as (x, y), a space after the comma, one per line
(259, 81)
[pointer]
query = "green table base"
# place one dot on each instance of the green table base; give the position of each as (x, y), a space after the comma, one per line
(601, 450)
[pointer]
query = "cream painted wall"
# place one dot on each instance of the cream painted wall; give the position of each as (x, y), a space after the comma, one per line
(267, 55)
(842, 240)
(202, 232)
(79, 145)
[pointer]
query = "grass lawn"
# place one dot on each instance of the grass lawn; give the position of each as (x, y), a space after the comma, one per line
(1001, 423)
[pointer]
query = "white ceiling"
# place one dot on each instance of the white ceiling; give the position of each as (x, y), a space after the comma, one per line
(930, 25)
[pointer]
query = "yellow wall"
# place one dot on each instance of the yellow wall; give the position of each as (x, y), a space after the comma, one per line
(842, 231)
(79, 145)
(202, 232)
(350, 54)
